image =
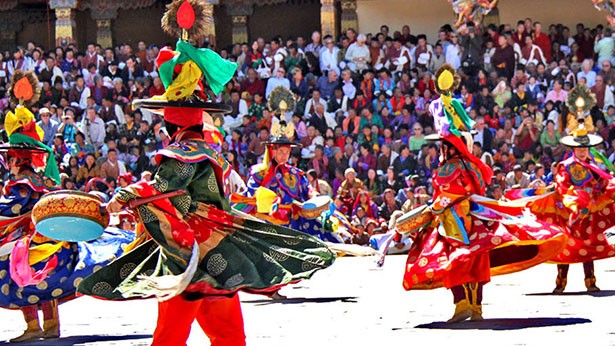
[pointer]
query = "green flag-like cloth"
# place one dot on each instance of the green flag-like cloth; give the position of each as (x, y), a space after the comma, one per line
(463, 118)
(598, 156)
(217, 71)
(51, 168)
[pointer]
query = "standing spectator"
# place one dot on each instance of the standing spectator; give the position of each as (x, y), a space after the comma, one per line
(472, 46)
(542, 41)
(453, 52)
(605, 46)
(276, 56)
(504, 59)
(94, 129)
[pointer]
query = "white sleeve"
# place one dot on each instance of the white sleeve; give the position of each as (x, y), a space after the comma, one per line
(119, 113)
(308, 105)
(83, 101)
(243, 108)
(608, 99)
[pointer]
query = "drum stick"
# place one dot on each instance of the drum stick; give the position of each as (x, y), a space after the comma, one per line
(134, 203)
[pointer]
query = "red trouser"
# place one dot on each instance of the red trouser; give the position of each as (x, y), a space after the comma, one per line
(220, 319)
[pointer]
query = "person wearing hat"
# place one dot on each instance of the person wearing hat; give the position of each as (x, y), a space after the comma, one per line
(49, 126)
(460, 250)
(200, 254)
(587, 194)
(275, 178)
(350, 187)
(44, 275)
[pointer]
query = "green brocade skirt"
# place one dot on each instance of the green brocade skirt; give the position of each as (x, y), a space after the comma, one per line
(239, 255)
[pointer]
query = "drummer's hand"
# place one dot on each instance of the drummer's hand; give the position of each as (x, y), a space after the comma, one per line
(114, 206)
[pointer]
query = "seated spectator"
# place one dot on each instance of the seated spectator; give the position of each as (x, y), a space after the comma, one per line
(327, 83)
(517, 178)
(364, 202)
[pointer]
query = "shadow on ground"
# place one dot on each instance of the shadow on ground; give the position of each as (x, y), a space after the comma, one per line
(506, 323)
(81, 339)
(302, 300)
(607, 293)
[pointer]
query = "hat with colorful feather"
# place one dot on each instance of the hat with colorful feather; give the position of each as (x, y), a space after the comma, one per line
(451, 122)
(449, 114)
(24, 136)
(185, 102)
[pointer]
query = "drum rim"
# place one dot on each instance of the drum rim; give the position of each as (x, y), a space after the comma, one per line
(72, 192)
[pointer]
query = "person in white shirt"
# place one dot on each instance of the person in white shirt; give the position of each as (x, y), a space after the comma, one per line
(587, 73)
(358, 55)
(329, 56)
(279, 79)
(348, 86)
(315, 46)
(453, 52)
(94, 128)
(19, 62)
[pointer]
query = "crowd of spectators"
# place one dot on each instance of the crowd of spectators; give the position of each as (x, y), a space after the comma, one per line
(361, 113)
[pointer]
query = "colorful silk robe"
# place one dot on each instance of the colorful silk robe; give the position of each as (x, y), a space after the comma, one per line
(74, 261)
(472, 237)
(233, 253)
(582, 204)
(290, 184)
